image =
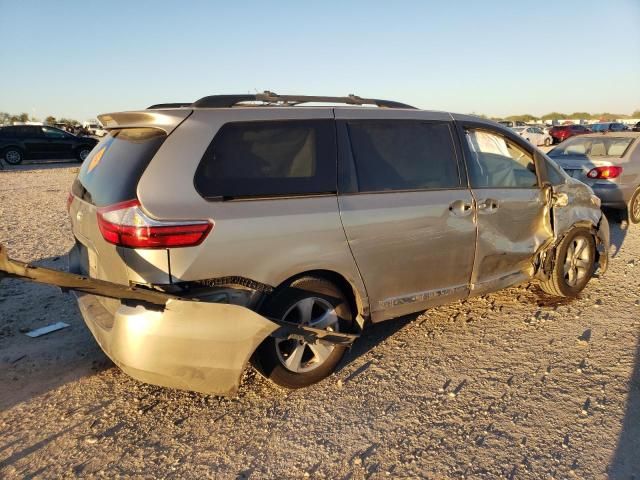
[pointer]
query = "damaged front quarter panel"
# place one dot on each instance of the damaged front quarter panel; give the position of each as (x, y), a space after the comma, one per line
(575, 205)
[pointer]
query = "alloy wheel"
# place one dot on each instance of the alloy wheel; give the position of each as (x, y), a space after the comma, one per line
(578, 261)
(13, 157)
(297, 355)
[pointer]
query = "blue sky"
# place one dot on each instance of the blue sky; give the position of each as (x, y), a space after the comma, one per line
(80, 58)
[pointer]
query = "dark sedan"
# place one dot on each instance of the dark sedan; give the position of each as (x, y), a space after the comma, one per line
(20, 142)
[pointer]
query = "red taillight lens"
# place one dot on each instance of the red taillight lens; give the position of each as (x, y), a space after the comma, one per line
(69, 201)
(125, 224)
(605, 172)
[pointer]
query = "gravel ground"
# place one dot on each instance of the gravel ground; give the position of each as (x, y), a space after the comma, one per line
(512, 385)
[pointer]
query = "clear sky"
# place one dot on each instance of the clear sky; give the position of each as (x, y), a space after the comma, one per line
(80, 58)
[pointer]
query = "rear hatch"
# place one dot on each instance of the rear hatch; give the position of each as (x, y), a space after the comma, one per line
(110, 176)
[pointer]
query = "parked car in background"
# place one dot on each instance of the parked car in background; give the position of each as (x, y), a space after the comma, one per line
(609, 163)
(323, 219)
(31, 142)
(95, 128)
(535, 135)
(608, 127)
(560, 133)
(636, 127)
(512, 124)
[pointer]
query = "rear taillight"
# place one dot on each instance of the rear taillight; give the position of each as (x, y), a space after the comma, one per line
(605, 172)
(69, 201)
(125, 224)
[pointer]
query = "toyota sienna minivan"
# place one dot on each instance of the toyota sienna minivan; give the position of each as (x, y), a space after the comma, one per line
(322, 213)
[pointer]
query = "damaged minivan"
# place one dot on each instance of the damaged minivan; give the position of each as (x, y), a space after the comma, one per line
(275, 228)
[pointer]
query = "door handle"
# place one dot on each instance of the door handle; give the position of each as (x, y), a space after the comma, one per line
(488, 205)
(460, 208)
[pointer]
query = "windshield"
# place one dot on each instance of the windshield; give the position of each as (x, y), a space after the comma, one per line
(593, 147)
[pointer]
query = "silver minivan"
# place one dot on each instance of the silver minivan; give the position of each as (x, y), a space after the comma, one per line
(279, 226)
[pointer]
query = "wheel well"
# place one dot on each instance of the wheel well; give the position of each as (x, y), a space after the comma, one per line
(355, 302)
(8, 147)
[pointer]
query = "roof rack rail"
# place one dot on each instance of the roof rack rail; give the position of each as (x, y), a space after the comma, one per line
(271, 98)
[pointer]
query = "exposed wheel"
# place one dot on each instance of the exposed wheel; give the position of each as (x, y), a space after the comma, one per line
(82, 153)
(634, 207)
(547, 142)
(574, 264)
(13, 156)
(310, 301)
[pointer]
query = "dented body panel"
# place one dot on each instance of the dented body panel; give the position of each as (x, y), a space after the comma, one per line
(189, 345)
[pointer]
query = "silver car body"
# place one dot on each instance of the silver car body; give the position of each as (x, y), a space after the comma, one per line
(614, 192)
(396, 252)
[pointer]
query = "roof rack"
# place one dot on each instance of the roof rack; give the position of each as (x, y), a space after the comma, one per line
(273, 99)
(168, 105)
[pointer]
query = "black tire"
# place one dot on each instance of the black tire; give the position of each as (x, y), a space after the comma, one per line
(82, 153)
(13, 155)
(547, 142)
(560, 282)
(272, 353)
(633, 208)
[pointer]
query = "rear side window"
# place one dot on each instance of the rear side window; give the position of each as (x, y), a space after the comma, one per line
(403, 155)
(111, 172)
(278, 158)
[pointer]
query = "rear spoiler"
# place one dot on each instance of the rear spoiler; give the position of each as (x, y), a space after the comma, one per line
(166, 120)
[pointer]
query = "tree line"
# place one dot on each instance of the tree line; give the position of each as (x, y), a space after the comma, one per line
(605, 117)
(7, 118)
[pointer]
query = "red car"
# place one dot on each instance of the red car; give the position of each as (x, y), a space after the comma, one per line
(562, 132)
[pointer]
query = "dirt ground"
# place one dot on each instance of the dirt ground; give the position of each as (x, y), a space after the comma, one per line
(511, 385)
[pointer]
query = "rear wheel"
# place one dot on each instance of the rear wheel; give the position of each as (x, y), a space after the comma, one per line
(313, 302)
(82, 153)
(634, 207)
(13, 156)
(547, 142)
(574, 264)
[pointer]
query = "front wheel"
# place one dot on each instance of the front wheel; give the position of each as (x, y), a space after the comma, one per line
(634, 207)
(574, 264)
(295, 363)
(13, 156)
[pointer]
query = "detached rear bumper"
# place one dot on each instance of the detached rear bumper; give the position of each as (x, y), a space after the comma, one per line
(189, 345)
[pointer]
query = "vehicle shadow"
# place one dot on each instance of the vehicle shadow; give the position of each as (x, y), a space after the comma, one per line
(372, 337)
(618, 228)
(625, 462)
(40, 165)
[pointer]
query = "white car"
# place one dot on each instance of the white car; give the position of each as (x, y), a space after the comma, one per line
(535, 135)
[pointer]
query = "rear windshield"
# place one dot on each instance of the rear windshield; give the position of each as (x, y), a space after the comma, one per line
(111, 172)
(593, 147)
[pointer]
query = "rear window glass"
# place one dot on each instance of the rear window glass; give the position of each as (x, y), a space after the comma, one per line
(111, 172)
(276, 158)
(403, 155)
(593, 147)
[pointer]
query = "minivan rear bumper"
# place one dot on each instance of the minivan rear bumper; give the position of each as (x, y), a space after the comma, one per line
(189, 345)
